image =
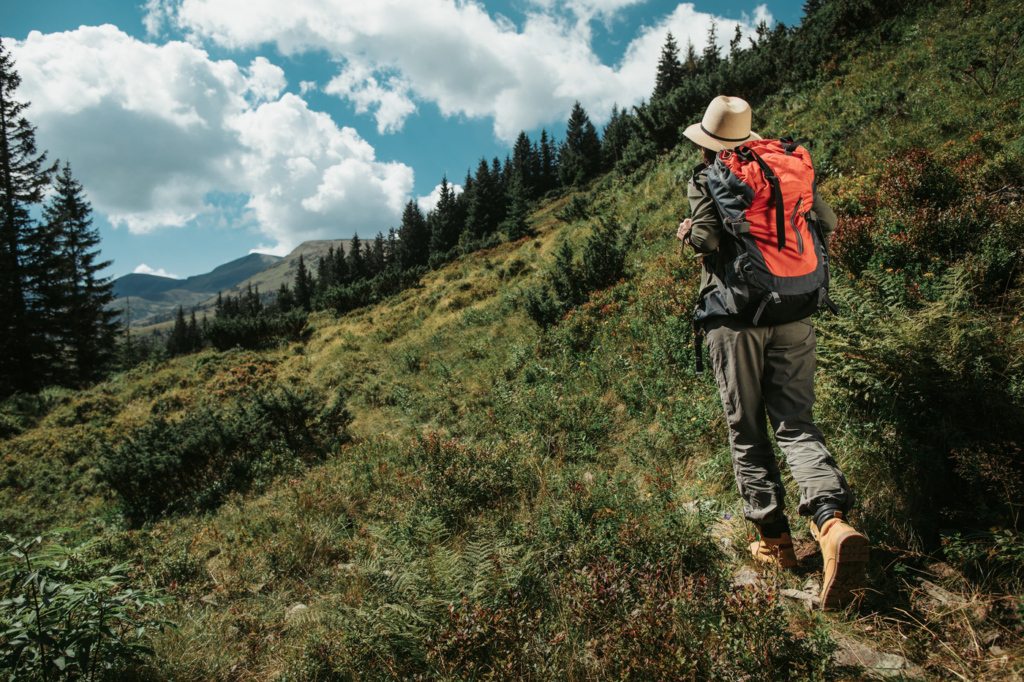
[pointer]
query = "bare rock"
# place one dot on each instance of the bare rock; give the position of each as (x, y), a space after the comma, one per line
(875, 663)
(745, 577)
(294, 611)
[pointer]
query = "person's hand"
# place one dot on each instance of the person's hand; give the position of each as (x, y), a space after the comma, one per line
(683, 234)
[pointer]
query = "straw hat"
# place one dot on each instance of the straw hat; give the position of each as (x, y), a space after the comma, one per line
(726, 125)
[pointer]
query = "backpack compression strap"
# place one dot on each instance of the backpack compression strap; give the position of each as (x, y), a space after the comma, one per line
(776, 185)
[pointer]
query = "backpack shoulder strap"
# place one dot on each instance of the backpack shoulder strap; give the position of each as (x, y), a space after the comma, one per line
(776, 186)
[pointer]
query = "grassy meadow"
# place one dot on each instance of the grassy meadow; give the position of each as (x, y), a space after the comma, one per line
(441, 488)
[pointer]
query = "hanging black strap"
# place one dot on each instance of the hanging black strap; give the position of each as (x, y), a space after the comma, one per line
(698, 350)
(769, 297)
(776, 185)
(823, 298)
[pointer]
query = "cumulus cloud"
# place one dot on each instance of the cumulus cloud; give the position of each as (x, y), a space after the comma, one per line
(144, 269)
(454, 55)
(153, 130)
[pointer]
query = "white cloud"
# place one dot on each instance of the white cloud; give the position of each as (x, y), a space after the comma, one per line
(389, 99)
(266, 81)
(144, 269)
(307, 86)
(152, 131)
(428, 202)
(452, 54)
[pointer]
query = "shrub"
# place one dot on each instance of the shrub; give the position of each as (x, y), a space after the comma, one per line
(463, 479)
(64, 619)
(255, 331)
(571, 281)
(167, 466)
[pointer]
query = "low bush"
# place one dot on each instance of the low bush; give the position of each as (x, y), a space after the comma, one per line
(165, 466)
(571, 281)
(255, 331)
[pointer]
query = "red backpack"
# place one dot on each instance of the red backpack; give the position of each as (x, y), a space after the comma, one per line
(778, 270)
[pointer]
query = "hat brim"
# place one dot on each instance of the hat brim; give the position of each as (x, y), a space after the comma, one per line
(697, 135)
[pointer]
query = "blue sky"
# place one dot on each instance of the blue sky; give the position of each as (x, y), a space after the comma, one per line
(205, 129)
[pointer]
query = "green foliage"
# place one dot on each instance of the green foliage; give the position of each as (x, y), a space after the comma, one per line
(256, 331)
(64, 617)
(571, 282)
(990, 560)
(462, 479)
(166, 466)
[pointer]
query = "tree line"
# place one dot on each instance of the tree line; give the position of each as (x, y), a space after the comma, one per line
(54, 328)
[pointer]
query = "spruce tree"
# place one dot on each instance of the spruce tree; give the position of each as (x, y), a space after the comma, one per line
(23, 179)
(376, 257)
(304, 286)
(712, 52)
(83, 330)
(617, 135)
(195, 334)
(285, 302)
(670, 70)
(482, 216)
(355, 260)
(444, 226)
(692, 64)
(548, 164)
(524, 163)
(413, 238)
(579, 158)
(177, 340)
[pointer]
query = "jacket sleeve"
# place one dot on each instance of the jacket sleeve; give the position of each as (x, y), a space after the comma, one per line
(706, 226)
(827, 220)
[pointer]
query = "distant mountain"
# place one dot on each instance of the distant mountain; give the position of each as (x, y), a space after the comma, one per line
(269, 280)
(222, 277)
(152, 301)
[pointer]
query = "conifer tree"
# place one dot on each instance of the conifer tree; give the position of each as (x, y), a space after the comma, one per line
(712, 52)
(548, 164)
(324, 272)
(515, 225)
(83, 332)
(525, 164)
(177, 340)
(339, 268)
(670, 70)
(195, 334)
(413, 238)
(484, 211)
(376, 257)
(23, 178)
(617, 135)
(355, 260)
(444, 226)
(304, 286)
(285, 301)
(691, 64)
(735, 45)
(579, 158)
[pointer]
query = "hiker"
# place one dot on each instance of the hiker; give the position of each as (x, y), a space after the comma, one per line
(763, 365)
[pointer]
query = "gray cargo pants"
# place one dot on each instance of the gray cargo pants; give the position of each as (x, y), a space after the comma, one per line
(771, 369)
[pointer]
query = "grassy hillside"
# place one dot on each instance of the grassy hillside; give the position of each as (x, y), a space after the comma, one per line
(438, 488)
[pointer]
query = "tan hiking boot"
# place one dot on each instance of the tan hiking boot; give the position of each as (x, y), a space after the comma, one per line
(774, 551)
(844, 552)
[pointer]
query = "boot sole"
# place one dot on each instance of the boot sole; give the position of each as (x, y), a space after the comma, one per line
(851, 560)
